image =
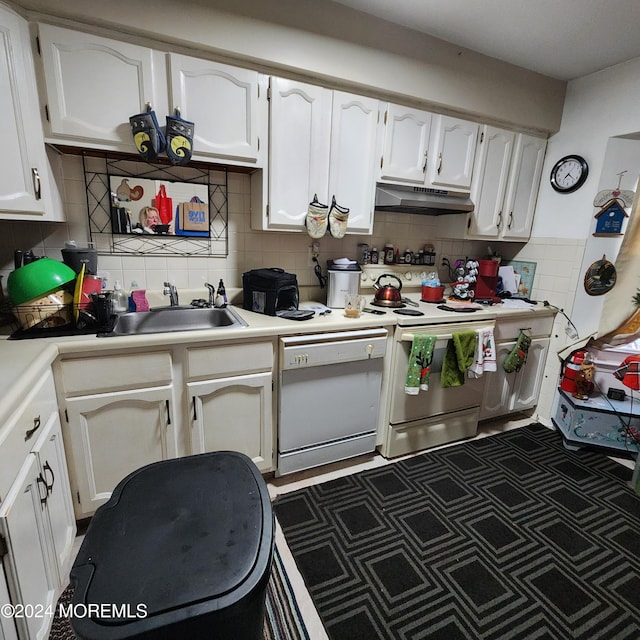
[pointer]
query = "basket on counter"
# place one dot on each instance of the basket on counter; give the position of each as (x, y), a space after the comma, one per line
(49, 311)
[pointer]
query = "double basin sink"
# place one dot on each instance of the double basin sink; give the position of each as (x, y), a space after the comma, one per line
(176, 318)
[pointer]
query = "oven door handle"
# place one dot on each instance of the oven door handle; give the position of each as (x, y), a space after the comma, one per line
(440, 337)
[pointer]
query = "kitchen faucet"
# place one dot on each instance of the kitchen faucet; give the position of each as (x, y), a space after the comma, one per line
(171, 291)
(212, 294)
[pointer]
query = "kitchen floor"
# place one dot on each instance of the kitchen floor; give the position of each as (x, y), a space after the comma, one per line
(292, 482)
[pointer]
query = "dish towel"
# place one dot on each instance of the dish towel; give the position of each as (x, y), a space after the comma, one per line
(458, 357)
(485, 356)
(419, 364)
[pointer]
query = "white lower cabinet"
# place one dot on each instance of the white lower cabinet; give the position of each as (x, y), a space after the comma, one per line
(113, 434)
(232, 409)
(37, 524)
(512, 392)
(142, 407)
(119, 417)
(234, 414)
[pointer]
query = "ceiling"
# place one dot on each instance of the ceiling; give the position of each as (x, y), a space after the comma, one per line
(564, 40)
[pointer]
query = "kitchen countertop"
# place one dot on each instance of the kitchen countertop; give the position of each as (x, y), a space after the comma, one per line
(23, 361)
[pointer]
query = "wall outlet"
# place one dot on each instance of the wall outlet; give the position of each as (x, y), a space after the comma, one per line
(314, 252)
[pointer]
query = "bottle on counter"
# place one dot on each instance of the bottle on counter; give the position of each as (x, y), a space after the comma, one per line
(408, 256)
(221, 295)
(119, 298)
(389, 254)
(374, 255)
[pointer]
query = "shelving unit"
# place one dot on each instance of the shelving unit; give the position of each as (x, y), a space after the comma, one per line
(98, 168)
(598, 422)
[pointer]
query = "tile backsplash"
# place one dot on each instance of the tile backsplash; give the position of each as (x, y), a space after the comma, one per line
(557, 261)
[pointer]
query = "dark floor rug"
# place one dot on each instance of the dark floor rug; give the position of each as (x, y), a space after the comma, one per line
(282, 616)
(507, 537)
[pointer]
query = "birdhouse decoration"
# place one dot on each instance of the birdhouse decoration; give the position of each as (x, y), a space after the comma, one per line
(609, 219)
(612, 203)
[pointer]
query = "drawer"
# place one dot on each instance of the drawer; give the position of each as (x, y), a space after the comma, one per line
(536, 327)
(229, 359)
(112, 373)
(410, 437)
(20, 432)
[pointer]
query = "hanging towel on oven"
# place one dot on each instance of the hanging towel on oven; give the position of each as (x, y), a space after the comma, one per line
(485, 355)
(419, 364)
(458, 358)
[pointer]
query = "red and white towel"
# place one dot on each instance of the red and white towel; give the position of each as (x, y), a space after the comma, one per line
(485, 355)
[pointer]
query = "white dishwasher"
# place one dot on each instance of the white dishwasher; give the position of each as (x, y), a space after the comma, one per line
(329, 397)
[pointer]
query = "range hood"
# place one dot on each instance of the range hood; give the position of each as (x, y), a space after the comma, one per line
(431, 202)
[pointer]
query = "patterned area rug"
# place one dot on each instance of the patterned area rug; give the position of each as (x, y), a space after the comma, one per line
(282, 616)
(502, 538)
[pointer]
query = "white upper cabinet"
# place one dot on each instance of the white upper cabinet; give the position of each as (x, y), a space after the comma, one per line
(322, 144)
(505, 185)
(524, 181)
(299, 150)
(93, 85)
(25, 174)
(354, 124)
(405, 146)
(426, 150)
(224, 103)
(493, 161)
(451, 154)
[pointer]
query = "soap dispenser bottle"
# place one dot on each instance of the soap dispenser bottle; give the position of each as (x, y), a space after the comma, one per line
(119, 298)
(221, 295)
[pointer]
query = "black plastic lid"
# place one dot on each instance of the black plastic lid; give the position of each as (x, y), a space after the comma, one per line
(175, 534)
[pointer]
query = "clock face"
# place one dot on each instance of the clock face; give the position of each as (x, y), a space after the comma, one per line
(569, 174)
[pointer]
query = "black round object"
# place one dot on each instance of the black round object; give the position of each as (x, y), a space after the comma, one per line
(569, 174)
(408, 312)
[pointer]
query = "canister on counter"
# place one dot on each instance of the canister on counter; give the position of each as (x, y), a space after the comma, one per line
(389, 253)
(363, 253)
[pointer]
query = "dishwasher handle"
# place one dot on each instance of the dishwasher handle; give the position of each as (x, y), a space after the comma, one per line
(319, 354)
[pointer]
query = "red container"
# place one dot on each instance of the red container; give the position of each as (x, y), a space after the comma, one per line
(432, 294)
(488, 268)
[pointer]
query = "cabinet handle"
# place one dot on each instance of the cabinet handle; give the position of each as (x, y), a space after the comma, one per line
(510, 220)
(195, 415)
(45, 468)
(40, 480)
(36, 426)
(36, 183)
(168, 412)
(499, 223)
(439, 163)
(424, 168)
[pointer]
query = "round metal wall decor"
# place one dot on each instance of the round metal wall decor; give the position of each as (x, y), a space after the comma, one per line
(600, 277)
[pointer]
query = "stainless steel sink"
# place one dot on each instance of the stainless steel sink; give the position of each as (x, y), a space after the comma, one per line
(175, 319)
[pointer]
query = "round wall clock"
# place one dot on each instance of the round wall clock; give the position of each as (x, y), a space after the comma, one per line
(569, 174)
(600, 277)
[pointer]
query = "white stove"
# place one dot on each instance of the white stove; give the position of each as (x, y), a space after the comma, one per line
(411, 277)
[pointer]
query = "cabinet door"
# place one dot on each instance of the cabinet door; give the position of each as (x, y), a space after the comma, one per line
(22, 523)
(234, 414)
(491, 174)
(93, 85)
(497, 392)
(354, 123)
(223, 103)
(452, 151)
(7, 626)
(299, 143)
(406, 140)
(529, 379)
(53, 466)
(524, 182)
(24, 172)
(113, 434)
